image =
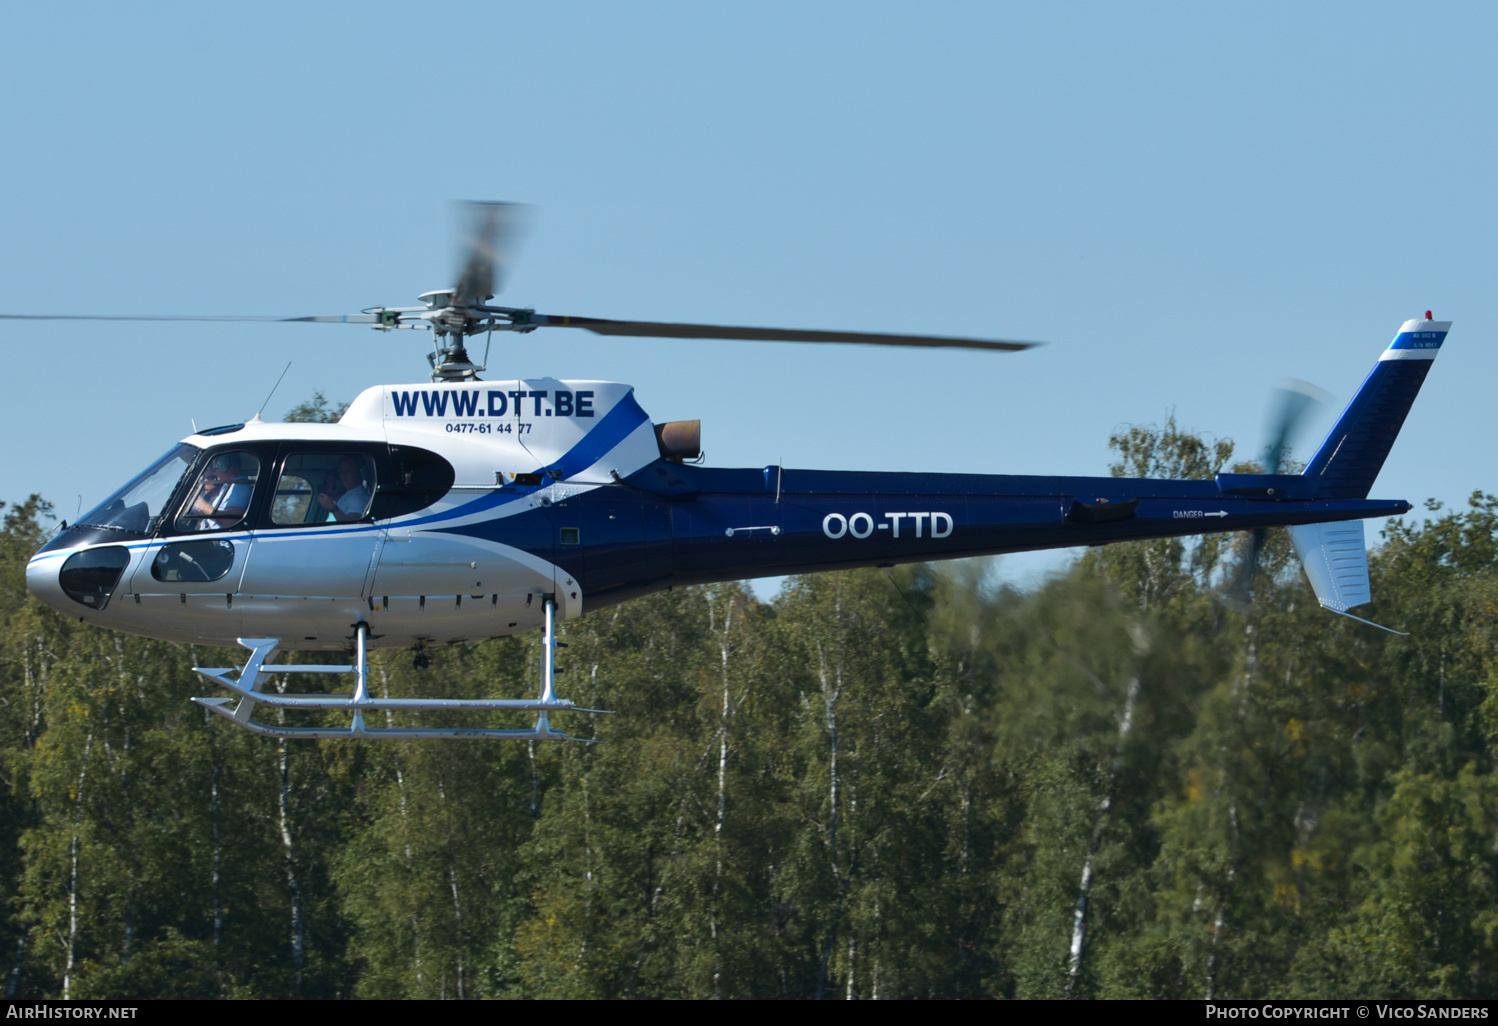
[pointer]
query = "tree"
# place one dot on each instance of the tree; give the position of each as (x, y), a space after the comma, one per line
(317, 410)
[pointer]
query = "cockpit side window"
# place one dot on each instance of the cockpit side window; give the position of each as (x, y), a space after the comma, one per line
(221, 496)
(323, 488)
(137, 507)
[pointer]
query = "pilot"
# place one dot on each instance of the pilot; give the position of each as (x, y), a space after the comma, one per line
(226, 494)
(355, 499)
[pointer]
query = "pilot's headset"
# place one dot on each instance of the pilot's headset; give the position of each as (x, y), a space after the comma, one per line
(231, 462)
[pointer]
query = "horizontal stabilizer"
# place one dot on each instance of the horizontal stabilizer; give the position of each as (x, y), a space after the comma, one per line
(1336, 562)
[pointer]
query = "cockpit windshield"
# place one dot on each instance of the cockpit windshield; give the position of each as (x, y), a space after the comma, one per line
(137, 506)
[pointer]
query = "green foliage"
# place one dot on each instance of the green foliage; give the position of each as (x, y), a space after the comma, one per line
(880, 785)
(317, 410)
(1158, 572)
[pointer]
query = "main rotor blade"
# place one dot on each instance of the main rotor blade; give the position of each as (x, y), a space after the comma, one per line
(330, 319)
(658, 329)
(491, 233)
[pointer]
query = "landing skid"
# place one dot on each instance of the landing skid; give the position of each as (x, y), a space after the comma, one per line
(257, 671)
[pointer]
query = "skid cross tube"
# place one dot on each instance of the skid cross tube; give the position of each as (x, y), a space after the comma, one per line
(257, 671)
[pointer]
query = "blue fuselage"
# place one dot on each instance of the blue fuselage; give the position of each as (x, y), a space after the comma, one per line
(676, 524)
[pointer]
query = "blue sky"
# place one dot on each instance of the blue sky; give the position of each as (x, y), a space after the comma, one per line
(1186, 201)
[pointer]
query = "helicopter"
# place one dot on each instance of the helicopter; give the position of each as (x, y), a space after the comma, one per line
(461, 509)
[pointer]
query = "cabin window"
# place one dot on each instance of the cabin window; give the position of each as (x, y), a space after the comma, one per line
(221, 496)
(323, 488)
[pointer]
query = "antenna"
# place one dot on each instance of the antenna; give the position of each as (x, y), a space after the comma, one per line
(272, 391)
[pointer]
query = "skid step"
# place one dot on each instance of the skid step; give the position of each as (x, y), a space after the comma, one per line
(225, 707)
(247, 682)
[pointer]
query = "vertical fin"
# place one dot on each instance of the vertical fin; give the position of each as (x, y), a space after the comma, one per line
(1349, 460)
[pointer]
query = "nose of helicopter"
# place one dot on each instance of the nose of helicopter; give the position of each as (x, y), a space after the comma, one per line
(83, 578)
(42, 579)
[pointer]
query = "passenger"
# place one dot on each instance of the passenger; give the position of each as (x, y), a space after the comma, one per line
(331, 487)
(355, 498)
(331, 484)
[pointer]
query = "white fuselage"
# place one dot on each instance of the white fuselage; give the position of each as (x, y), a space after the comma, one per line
(423, 576)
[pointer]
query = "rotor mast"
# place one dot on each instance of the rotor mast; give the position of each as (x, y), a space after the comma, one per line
(451, 325)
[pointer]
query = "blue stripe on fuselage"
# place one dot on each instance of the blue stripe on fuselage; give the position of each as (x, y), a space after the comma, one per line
(615, 427)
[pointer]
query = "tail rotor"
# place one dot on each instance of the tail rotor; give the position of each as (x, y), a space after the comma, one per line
(1293, 401)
